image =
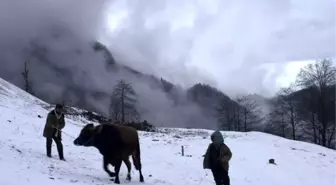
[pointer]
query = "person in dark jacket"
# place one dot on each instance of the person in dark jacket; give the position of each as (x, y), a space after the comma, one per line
(217, 159)
(53, 130)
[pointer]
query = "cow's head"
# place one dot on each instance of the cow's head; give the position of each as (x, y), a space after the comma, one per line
(86, 136)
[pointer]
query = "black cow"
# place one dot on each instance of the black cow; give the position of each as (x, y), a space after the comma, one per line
(116, 143)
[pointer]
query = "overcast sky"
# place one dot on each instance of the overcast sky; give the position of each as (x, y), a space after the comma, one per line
(254, 46)
(237, 46)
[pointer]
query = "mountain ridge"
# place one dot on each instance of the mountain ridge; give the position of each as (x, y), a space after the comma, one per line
(22, 146)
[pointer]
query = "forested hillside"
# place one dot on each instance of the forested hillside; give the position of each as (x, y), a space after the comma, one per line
(306, 110)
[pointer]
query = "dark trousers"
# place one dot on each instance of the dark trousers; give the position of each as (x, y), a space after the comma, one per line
(221, 176)
(58, 145)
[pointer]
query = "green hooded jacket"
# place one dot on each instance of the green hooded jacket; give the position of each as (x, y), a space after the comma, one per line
(217, 145)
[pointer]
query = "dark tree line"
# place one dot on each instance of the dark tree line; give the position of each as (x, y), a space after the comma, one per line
(283, 119)
(243, 114)
(303, 111)
(306, 110)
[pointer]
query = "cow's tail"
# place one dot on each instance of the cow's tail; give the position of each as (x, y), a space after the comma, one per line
(137, 159)
(137, 156)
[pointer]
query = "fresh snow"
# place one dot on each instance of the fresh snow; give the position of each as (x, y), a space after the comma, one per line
(23, 160)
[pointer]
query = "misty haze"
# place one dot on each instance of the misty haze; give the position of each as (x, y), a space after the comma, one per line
(167, 92)
(187, 63)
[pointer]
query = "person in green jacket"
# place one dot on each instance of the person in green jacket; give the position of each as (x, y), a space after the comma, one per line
(53, 130)
(217, 159)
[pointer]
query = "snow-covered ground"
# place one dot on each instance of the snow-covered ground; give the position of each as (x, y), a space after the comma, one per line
(23, 160)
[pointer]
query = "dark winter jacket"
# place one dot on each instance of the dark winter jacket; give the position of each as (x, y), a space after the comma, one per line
(218, 154)
(54, 125)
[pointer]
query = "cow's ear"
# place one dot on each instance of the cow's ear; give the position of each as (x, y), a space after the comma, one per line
(89, 126)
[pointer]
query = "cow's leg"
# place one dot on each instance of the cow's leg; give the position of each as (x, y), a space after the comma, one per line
(129, 167)
(137, 163)
(105, 166)
(117, 169)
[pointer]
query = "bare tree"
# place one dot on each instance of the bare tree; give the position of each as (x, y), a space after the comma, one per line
(331, 135)
(320, 78)
(226, 115)
(35, 51)
(250, 112)
(276, 122)
(115, 109)
(236, 119)
(27, 82)
(307, 110)
(278, 118)
(123, 102)
(288, 106)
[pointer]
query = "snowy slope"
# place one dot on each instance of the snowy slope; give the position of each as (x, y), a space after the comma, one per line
(23, 160)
